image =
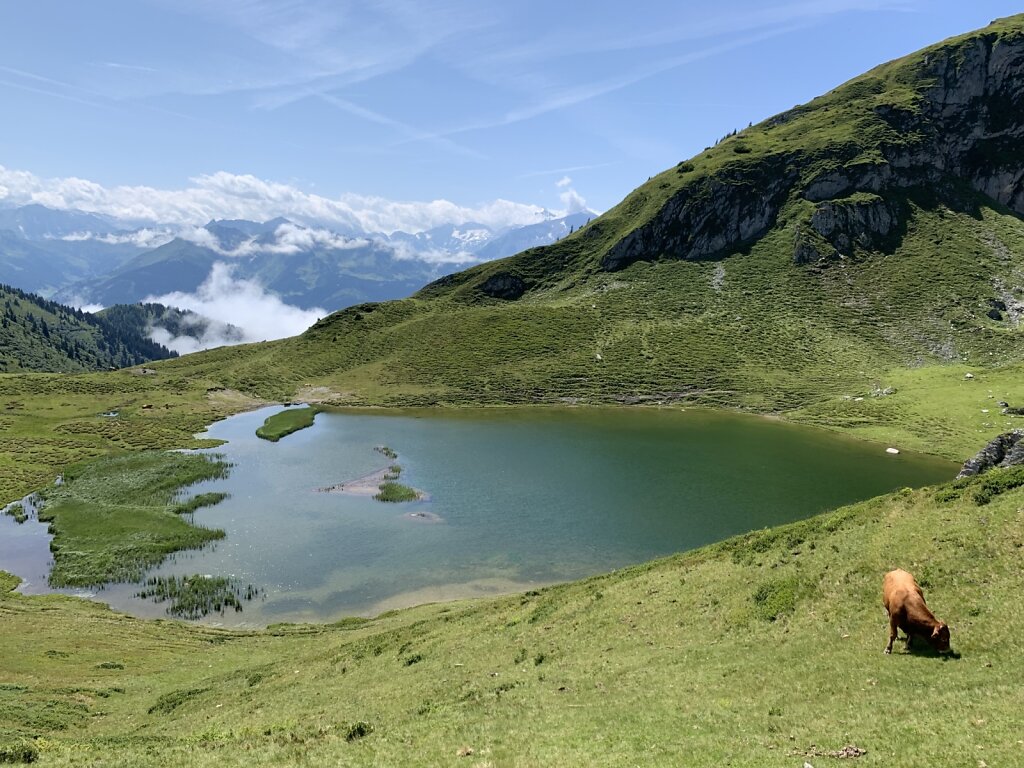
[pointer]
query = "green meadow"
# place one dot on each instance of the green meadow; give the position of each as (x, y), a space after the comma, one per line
(763, 650)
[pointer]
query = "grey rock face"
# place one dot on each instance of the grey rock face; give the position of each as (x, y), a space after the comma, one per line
(1006, 450)
(504, 286)
(710, 218)
(968, 126)
(975, 112)
(844, 224)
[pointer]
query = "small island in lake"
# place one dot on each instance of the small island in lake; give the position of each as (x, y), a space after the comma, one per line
(283, 423)
(382, 484)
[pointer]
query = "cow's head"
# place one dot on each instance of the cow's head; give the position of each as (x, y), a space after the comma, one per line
(940, 637)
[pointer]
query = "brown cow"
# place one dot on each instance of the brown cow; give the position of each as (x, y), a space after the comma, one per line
(904, 602)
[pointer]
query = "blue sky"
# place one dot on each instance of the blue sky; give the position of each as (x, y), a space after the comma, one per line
(465, 101)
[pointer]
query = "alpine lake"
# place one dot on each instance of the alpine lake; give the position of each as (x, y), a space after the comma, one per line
(512, 499)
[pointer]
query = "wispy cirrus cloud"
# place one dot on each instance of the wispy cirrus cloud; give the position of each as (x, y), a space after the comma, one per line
(556, 98)
(564, 170)
(698, 25)
(128, 67)
(412, 134)
(325, 45)
(532, 67)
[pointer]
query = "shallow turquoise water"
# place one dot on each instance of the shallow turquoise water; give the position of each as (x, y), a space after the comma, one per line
(525, 496)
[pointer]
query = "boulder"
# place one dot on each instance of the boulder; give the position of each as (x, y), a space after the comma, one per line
(1006, 450)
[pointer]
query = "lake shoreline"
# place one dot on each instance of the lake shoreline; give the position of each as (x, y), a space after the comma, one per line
(543, 429)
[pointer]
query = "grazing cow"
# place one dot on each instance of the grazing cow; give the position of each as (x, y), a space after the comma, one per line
(904, 602)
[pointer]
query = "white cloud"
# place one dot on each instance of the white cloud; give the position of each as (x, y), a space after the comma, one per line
(287, 239)
(436, 256)
(141, 238)
(245, 304)
(573, 201)
(223, 195)
(79, 303)
(291, 238)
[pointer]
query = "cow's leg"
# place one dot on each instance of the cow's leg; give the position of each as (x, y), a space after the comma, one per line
(893, 624)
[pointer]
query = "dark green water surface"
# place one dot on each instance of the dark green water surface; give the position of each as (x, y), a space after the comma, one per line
(525, 497)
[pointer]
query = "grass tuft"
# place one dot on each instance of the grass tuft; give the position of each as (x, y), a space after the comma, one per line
(396, 492)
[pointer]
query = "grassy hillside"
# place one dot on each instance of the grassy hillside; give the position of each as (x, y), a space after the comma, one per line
(41, 335)
(874, 335)
(763, 650)
(869, 240)
(816, 266)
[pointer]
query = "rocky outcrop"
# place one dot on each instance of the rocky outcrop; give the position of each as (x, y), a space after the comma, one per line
(867, 222)
(975, 109)
(1006, 450)
(965, 128)
(504, 286)
(711, 217)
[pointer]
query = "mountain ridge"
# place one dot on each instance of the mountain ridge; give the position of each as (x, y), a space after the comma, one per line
(41, 335)
(869, 135)
(85, 259)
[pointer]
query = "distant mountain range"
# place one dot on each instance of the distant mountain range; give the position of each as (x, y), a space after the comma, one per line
(85, 259)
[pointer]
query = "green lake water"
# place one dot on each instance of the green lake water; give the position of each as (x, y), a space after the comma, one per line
(517, 498)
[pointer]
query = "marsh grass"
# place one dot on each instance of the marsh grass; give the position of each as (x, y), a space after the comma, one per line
(396, 492)
(198, 501)
(193, 597)
(114, 518)
(17, 511)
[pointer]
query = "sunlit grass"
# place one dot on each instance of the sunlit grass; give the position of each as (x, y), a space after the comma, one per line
(286, 422)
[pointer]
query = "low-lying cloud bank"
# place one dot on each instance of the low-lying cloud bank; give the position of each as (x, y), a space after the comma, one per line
(287, 240)
(238, 311)
(225, 195)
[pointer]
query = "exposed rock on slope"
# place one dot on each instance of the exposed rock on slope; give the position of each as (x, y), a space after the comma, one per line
(950, 116)
(1006, 450)
(712, 216)
(865, 221)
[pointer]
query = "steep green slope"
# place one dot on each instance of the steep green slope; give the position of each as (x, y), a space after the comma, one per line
(41, 335)
(761, 651)
(815, 256)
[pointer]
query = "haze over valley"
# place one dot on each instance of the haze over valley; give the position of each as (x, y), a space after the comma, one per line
(246, 280)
